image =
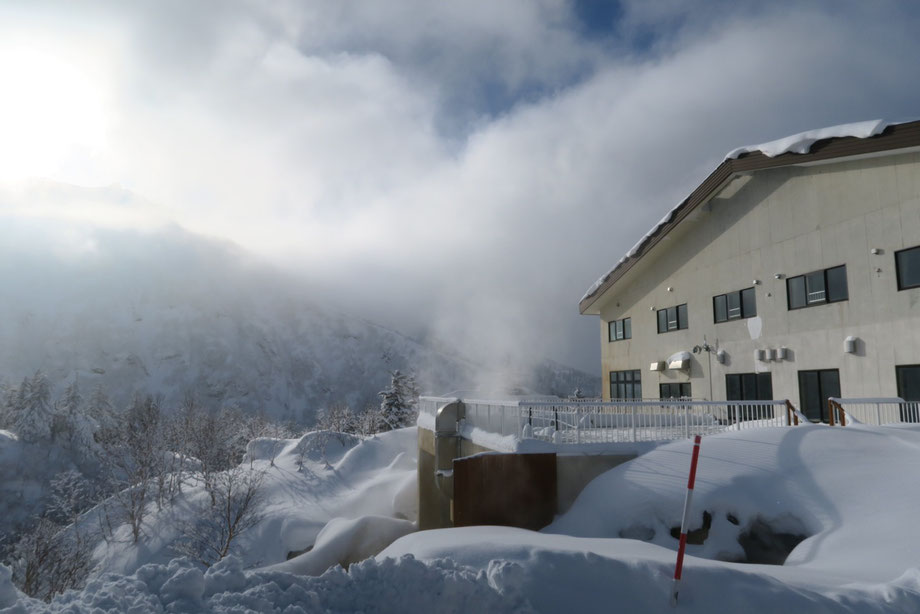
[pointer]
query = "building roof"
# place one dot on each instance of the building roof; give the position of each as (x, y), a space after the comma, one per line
(813, 146)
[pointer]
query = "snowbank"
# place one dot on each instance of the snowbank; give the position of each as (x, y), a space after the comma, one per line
(404, 585)
(307, 482)
(346, 541)
(851, 490)
(845, 489)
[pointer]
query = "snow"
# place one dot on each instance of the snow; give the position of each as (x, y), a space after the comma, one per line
(371, 477)
(801, 143)
(345, 541)
(797, 143)
(848, 490)
(845, 487)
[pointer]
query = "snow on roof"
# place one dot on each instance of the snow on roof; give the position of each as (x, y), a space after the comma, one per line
(801, 143)
(797, 143)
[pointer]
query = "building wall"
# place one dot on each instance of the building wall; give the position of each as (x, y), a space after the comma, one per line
(787, 221)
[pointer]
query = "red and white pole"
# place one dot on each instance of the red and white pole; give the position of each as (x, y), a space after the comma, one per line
(678, 568)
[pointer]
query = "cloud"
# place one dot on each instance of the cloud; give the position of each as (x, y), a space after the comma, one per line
(466, 169)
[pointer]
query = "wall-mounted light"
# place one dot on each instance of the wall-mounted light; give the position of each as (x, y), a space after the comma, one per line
(778, 276)
(849, 345)
(756, 282)
(720, 357)
(782, 353)
(875, 251)
(760, 355)
(670, 289)
(652, 308)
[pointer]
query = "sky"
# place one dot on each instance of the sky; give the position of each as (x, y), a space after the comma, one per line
(464, 169)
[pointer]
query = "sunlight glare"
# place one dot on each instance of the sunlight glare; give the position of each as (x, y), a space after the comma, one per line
(52, 114)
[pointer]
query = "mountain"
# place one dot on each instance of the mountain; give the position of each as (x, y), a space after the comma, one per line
(161, 310)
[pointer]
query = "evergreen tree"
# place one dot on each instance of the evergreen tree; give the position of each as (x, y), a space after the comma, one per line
(399, 402)
(33, 422)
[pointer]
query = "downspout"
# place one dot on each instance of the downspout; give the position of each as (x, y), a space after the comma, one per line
(447, 445)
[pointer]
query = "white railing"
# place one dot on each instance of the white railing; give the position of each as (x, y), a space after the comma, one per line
(879, 411)
(593, 421)
(661, 420)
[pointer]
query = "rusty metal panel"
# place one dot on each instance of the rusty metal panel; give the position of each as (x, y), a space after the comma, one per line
(513, 490)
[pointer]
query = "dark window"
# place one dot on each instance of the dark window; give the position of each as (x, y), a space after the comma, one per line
(817, 287)
(672, 318)
(749, 387)
(837, 284)
(734, 305)
(907, 261)
(814, 389)
(674, 391)
(748, 303)
(619, 329)
(626, 384)
(795, 291)
(720, 308)
(909, 390)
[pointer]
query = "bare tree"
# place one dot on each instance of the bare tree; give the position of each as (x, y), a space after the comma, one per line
(134, 454)
(50, 559)
(233, 508)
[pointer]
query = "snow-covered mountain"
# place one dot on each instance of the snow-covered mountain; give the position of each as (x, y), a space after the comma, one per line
(165, 311)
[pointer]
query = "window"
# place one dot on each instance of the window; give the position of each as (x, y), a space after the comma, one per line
(814, 389)
(734, 305)
(749, 387)
(672, 318)
(619, 329)
(674, 391)
(909, 390)
(907, 262)
(817, 288)
(626, 384)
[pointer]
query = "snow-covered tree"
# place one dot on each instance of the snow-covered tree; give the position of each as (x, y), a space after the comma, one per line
(99, 408)
(399, 402)
(72, 425)
(338, 418)
(34, 418)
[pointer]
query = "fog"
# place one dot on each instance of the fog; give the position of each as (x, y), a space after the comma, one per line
(458, 171)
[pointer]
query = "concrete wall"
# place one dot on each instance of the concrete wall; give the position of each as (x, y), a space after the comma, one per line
(573, 473)
(789, 221)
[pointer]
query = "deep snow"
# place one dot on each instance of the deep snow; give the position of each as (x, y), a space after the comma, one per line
(853, 490)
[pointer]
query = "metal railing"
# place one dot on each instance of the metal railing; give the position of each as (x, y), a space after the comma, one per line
(592, 421)
(872, 411)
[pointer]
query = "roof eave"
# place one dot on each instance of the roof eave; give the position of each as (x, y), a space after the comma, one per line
(893, 138)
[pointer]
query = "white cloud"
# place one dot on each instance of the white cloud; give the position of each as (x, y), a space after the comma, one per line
(472, 166)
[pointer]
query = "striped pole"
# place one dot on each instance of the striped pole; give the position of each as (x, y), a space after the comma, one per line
(678, 568)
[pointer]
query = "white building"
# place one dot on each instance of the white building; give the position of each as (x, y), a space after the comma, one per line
(793, 270)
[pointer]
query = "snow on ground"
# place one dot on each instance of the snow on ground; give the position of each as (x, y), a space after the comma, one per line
(852, 492)
(354, 478)
(851, 489)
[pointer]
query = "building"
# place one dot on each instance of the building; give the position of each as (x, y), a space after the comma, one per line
(791, 272)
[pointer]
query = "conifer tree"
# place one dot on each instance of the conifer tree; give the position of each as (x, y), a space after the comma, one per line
(33, 422)
(399, 402)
